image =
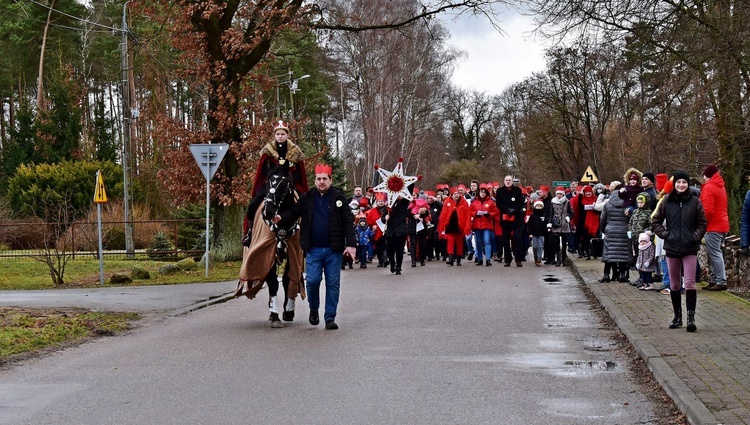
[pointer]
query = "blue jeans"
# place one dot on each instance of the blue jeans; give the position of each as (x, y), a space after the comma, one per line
(537, 243)
(718, 273)
(317, 262)
(483, 239)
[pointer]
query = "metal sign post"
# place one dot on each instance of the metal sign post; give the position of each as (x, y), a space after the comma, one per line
(208, 156)
(100, 197)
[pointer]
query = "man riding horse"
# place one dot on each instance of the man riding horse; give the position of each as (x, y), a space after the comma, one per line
(262, 261)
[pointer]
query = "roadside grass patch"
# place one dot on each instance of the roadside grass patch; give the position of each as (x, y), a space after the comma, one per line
(26, 331)
(26, 273)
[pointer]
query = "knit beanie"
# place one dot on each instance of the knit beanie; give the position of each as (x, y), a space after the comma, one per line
(650, 177)
(642, 197)
(680, 174)
(710, 171)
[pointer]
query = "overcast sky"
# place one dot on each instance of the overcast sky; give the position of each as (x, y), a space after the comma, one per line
(493, 60)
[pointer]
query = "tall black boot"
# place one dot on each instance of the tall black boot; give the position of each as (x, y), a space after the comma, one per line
(691, 299)
(623, 267)
(451, 258)
(677, 307)
(458, 260)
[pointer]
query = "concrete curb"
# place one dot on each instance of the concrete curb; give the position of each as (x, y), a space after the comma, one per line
(689, 404)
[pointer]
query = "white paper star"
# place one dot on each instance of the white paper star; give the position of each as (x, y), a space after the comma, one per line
(395, 183)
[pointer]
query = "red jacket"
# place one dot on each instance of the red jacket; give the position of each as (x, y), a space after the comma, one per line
(372, 217)
(714, 199)
(589, 219)
(484, 221)
(463, 211)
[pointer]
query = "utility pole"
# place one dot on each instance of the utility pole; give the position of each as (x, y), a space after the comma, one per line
(126, 122)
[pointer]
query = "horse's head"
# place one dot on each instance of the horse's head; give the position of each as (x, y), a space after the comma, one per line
(279, 196)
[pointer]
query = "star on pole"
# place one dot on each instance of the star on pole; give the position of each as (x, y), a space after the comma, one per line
(395, 183)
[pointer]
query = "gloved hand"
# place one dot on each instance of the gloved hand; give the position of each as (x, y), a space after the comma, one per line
(630, 234)
(549, 225)
(246, 239)
(567, 219)
(646, 264)
(622, 190)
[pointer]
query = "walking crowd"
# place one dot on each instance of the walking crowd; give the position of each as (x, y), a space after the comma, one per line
(652, 224)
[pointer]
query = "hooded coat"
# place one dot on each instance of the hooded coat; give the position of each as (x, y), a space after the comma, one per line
(614, 225)
(631, 192)
(681, 222)
(715, 205)
(462, 211)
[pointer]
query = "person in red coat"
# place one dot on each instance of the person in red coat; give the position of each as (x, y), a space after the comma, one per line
(584, 219)
(714, 199)
(484, 212)
(375, 214)
(455, 225)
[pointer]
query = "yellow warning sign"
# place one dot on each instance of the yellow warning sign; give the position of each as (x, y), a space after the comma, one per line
(589, 176)
(100, 195)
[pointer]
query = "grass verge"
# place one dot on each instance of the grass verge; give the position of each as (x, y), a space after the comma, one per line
(29, 274)
(29, 331)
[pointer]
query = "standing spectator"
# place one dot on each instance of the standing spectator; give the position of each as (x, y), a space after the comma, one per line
(326, 232)
(647, 183)
(632, 186)
(645, 262)
(640, 221)
(454, 225)
(745, 225)
(614, 225)
(715, 204)
(559, 224)
(537, 225)
(549, 249)
(484, 213)
(680, 220)
(571, 193)
(357, 194)
(510, 202)
(583, 213)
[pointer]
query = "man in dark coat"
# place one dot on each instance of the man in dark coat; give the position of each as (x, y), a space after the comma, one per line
(326, 232)
(511, 203)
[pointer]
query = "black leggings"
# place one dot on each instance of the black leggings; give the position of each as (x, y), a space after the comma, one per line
(395, 247)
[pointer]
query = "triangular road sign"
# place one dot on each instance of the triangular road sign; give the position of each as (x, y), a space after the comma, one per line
(209, 156)
(589, 176)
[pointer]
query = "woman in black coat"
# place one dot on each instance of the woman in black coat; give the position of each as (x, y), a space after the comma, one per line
(395, 233)
(680, 221)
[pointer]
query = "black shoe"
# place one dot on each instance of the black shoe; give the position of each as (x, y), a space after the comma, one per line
(507, 264)
(691, 321)
(287, 316)
(314, 319)
(478, 263)
(393, 269)
(604, 279)
(331, 325)
(488, 263)
(398, 271)
(351, 266)
(471, 256)
(275, 321)
(519, 263)
(414, 264)
(343, 266)
(421, 263)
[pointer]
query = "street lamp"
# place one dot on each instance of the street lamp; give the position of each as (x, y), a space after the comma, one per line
(292, 90)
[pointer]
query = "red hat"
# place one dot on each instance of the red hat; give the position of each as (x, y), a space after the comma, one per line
(523, 191)
(461, 187)
(281, 125)
(369, 189)
(529, 189)
(380, 196)
(364, 202)
(324, 169)
(588, 189)
(710, 171)
(668, 186)
(559, 189)
(452, 189)
(544, 188)
(429, 192)
(661, 179)
(415, 191)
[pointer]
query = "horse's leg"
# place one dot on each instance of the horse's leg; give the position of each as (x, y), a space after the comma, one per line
(289, 303)
(273, 304)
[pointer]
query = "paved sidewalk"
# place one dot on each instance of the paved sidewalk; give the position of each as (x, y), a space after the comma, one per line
(706, 373)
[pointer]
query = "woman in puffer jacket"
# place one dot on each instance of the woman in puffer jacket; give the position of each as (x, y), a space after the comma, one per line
(680, 220)
(484, 213)
(614, 226)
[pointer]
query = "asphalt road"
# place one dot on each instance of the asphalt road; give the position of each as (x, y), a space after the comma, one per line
(437, 345)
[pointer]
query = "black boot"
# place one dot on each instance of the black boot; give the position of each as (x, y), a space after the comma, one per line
(691, 299)
(677, 307)
(623, 267)
(458, 260)
(605, 279)
(558, 259)
(450, 260)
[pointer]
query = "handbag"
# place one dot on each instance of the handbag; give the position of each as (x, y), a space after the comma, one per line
(556, 222)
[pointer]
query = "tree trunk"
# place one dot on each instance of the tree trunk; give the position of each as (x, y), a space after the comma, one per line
(40, 83)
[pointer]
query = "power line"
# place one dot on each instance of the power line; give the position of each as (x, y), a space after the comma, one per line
(30, 19)
(74, 17)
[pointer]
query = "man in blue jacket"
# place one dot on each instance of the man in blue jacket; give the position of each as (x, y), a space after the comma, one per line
(326, 233)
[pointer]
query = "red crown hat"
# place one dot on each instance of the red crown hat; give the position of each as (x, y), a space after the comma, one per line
(495, 184)
(523, 191)
(661, 179)
(415, 191)
(544, 188)
(380, 196)
(364, 202)
(529, 189)
(452, 190)
(324, 169)
(487, 186)
(281, 125)
(461, 187)
(429, 192)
